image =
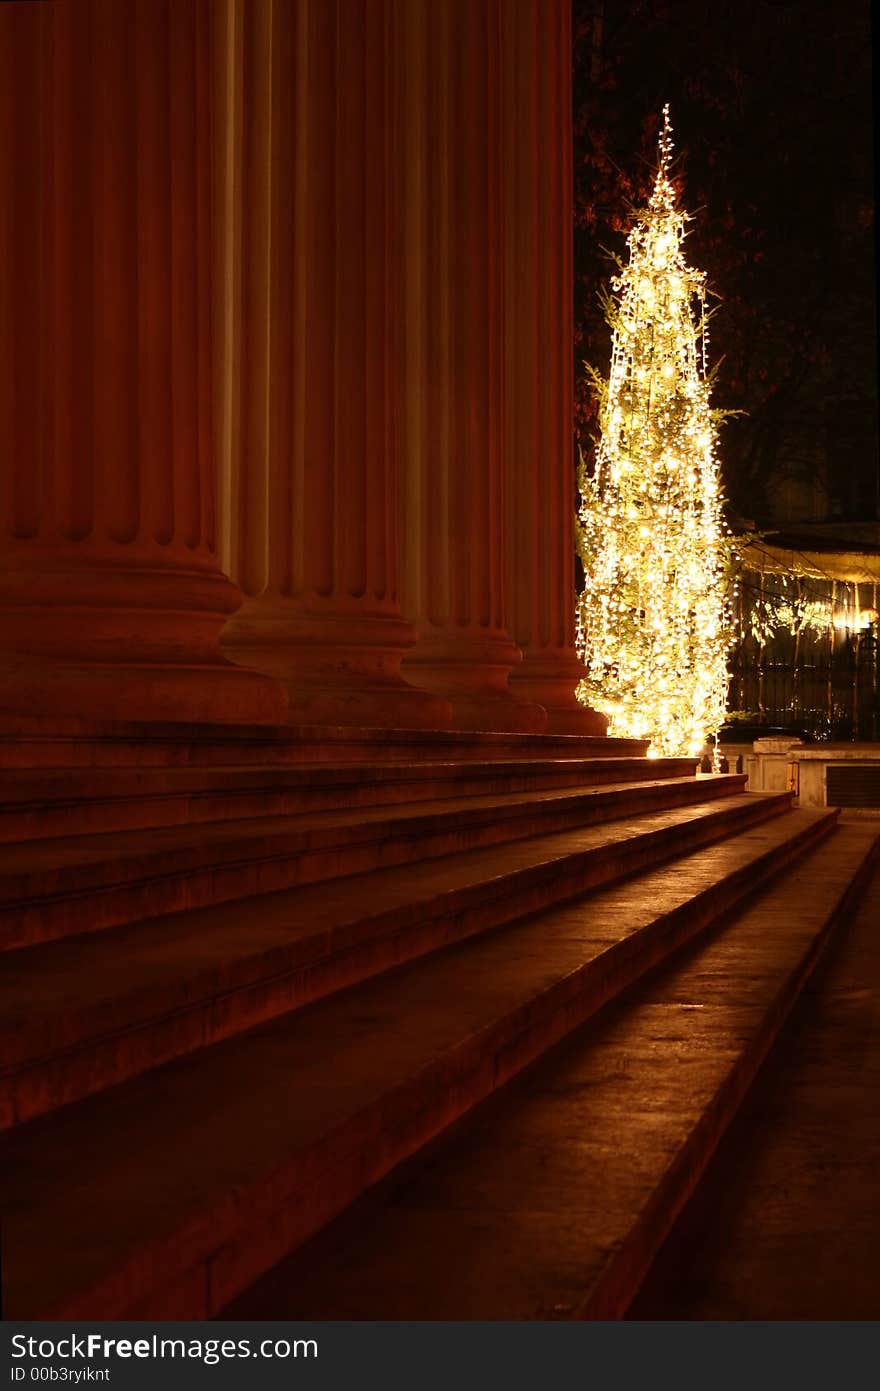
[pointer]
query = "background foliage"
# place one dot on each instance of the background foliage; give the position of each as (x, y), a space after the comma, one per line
(771, 105)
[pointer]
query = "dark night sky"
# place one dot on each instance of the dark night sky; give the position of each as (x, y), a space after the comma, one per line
(771, 108)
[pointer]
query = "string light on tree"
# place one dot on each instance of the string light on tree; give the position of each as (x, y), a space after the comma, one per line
(654, 620)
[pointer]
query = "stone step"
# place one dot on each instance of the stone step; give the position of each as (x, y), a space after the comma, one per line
(42, 802)
(170, 1193)
(58, 743)
(61, 887)
(785, 1223)
(87, 1013)
(553, 1199)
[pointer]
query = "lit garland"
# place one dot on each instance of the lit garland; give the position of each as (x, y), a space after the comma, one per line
(654, 622)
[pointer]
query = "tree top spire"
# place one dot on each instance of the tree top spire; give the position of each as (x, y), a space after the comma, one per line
(663, 196)
(664, 141)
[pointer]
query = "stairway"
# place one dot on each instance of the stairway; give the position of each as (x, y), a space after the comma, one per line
(247, 976)
(785, 1224)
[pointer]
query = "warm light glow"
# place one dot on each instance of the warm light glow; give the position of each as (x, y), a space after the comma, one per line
(854, 620)
(653, 622)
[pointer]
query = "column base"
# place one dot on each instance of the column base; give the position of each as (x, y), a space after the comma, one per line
(216, 692)
(336, 669)
(101, 641)
(500, 716)
(551, 679)
(472, 672)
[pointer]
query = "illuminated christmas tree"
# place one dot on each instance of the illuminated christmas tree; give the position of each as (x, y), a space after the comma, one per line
(654, 618)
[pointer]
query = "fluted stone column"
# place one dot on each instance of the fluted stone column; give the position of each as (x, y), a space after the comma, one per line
(111, 595)
(453, 360)
(307, 283)
(538, 283)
